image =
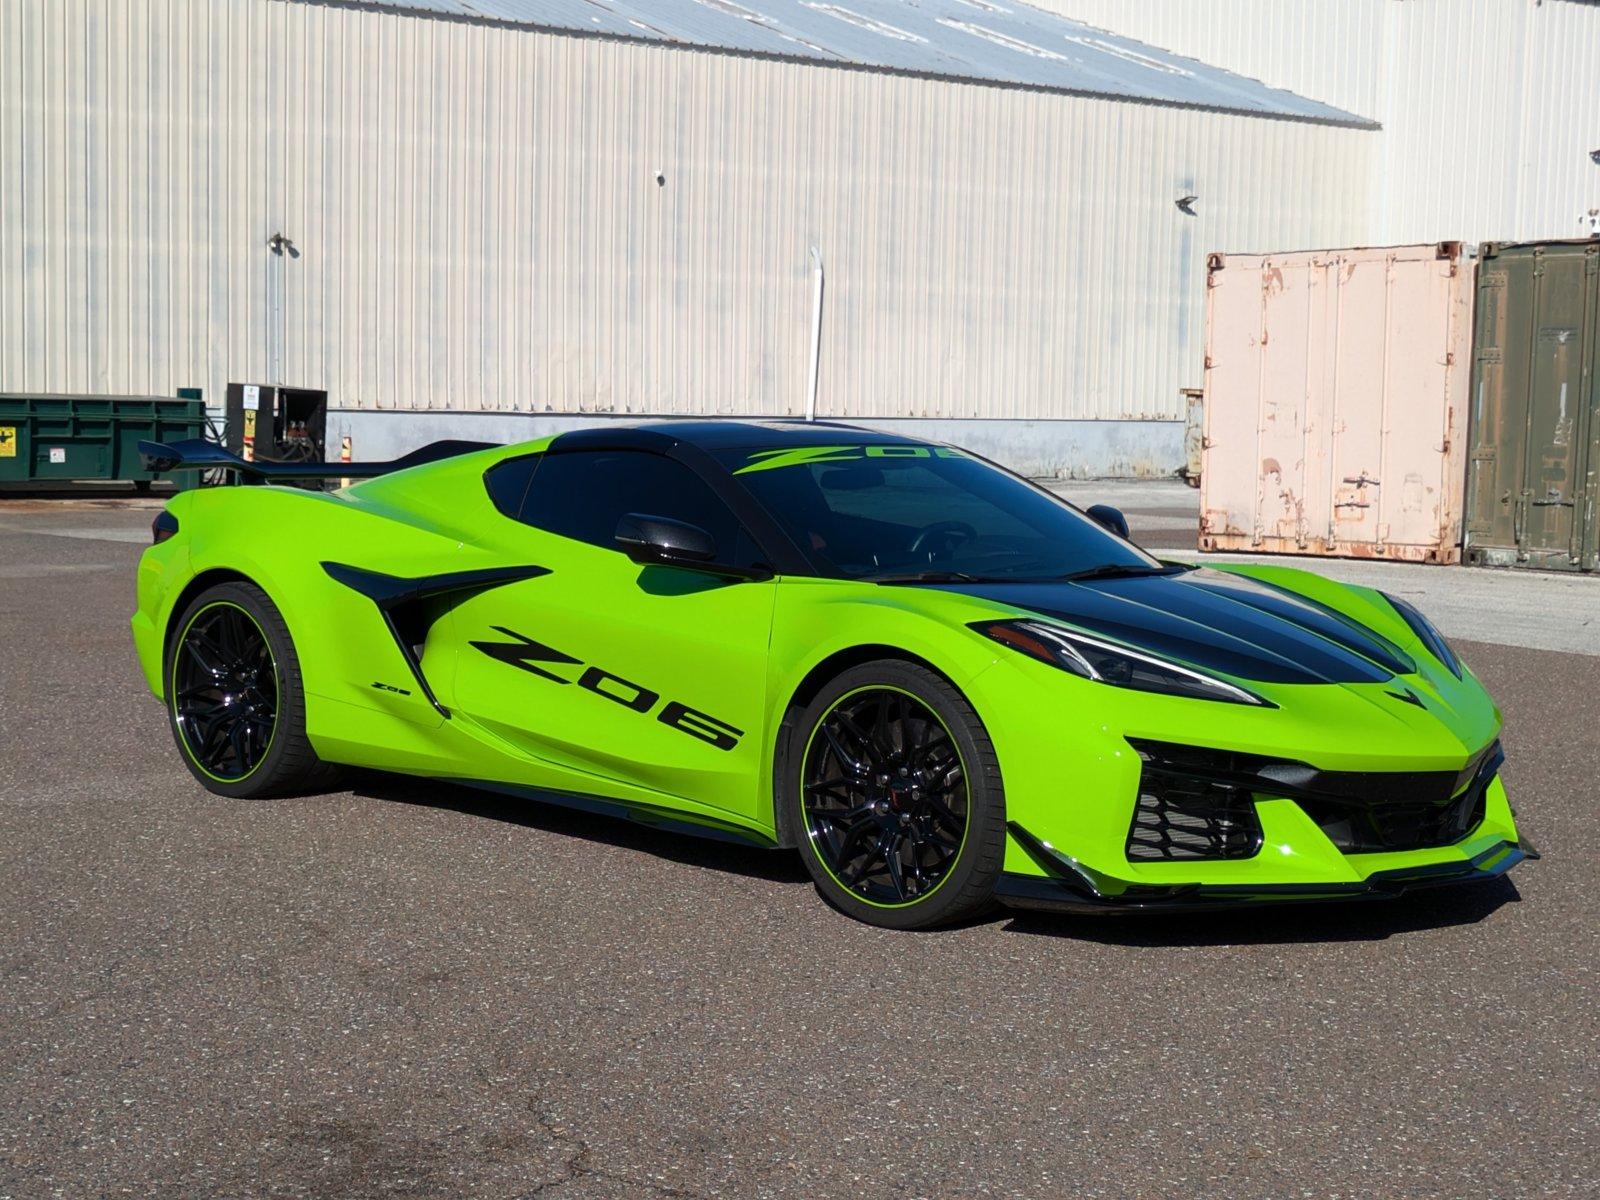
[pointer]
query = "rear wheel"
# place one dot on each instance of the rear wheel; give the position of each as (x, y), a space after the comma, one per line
(234, 697)
(895, 792)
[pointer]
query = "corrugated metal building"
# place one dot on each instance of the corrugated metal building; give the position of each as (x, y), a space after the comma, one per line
(501, 214)
(1490, 109)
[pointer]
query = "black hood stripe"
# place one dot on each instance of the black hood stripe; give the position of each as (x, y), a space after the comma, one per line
(1202, 623)
(1215, 621)
(1315, 618)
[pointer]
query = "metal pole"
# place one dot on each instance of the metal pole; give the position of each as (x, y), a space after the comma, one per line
(816, 333)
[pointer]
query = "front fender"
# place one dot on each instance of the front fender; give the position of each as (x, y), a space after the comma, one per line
(816, 620)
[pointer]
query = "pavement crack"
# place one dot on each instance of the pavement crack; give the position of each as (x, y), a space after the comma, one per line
(579, 1166)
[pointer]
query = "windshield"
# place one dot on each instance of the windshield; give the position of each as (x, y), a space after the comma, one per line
(904, 511)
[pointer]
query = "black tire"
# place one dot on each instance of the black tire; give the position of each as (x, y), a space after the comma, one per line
(875, 810)
(235, 701)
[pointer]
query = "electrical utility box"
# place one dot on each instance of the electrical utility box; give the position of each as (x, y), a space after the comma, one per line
(276, 424)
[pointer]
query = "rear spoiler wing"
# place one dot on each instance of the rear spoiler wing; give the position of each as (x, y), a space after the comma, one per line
(197, 454)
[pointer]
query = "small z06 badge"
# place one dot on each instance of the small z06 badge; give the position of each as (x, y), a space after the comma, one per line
(537, 659)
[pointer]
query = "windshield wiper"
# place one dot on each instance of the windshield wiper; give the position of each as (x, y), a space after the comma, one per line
(1123, 571)
(929, 577)
(1104, 571)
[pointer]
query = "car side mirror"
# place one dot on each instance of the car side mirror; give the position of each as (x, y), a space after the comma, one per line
(663, 542)
(1109, 518)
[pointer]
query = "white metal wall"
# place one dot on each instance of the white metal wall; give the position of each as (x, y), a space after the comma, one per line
(1490, 108)
(1494, 107)
(479, 225)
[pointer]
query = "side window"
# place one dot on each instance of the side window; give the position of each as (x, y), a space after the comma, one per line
(585, 493)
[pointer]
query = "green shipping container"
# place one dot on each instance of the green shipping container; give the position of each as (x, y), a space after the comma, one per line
(1534, 465)
(90, 437)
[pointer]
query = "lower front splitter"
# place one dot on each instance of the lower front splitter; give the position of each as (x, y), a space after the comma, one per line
(1070, 886)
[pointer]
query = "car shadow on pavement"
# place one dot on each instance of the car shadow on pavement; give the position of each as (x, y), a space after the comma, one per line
(732, 857)
(1334, 921)
(1330, 921)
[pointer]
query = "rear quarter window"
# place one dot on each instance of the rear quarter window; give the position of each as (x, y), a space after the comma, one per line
(507, 483)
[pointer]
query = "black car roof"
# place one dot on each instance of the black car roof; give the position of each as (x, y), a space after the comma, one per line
(729, 435)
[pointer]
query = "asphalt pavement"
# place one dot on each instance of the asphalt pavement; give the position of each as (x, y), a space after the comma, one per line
(413, 990)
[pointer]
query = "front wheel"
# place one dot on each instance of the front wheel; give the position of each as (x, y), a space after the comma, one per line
(235, 700)
(896, 795)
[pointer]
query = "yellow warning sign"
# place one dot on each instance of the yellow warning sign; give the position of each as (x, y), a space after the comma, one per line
(8, 441)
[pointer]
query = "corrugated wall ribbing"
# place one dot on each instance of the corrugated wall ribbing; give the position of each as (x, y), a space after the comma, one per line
(478, 223)
(1561, 120)
(1458, 128)
(1489, 107)
(1494, 108)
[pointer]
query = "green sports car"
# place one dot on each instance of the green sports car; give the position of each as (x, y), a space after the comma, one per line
(942, 684)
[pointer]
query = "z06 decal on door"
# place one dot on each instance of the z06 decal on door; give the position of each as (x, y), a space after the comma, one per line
(526, 654)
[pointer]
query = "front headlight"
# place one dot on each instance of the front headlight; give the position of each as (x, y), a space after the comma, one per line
(1426, 633)
(1108, 662)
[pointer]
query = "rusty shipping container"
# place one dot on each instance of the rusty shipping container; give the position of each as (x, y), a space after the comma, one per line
(1534, 475)
(1335, 402)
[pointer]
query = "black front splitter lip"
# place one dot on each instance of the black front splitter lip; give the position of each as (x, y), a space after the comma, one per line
(1071, 887)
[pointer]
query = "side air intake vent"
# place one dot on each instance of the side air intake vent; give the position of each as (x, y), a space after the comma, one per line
(1187, 816)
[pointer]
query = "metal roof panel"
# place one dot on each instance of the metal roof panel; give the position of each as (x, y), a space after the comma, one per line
(982, 41)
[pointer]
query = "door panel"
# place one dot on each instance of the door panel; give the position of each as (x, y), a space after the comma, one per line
(1531, 489)
(1415, 423)
(1499, 414)
(1360, 427)
(1588, 501)
(1555, 400)
(1287, 294)
(644, 675)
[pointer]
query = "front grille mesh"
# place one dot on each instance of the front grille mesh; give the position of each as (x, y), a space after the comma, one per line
(1181, 818)
(1198, 803)
(1360, 828)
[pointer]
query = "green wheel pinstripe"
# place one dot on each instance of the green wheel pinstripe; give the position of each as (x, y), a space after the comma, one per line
(897, 802)
(183, 722)
(911, 820)
(235, 699)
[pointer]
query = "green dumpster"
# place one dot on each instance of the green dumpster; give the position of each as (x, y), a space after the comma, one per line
(90, 437)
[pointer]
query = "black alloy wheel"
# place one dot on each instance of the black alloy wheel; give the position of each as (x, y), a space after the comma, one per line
(235, 699)
(225, 692)
(885, 796)
(895, 799)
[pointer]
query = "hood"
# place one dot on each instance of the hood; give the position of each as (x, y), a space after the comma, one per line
(1214, 620)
